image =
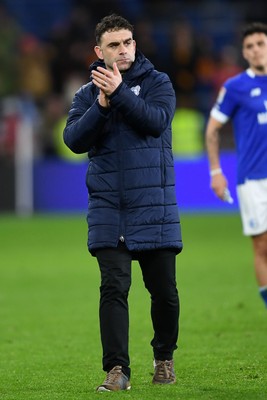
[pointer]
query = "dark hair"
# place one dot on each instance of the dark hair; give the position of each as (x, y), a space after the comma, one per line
(254, 27)
(111, 23)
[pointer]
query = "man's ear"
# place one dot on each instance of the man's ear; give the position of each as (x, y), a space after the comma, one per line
(98, 52)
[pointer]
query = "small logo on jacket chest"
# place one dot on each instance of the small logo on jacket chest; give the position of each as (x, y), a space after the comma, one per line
(136, 90)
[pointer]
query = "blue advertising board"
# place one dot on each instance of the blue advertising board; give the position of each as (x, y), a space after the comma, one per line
(59, 186)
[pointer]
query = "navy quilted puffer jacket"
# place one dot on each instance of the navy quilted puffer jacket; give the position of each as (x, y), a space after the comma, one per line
(130, 176)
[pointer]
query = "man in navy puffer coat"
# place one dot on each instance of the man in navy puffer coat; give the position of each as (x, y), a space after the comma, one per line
(122, 118)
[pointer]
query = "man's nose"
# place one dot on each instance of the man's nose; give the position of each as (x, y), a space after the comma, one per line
(122, 48)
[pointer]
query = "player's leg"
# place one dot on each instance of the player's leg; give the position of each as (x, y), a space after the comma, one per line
(253, 207)
(260, 262)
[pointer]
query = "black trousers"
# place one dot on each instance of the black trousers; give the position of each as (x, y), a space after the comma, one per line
(159, 275)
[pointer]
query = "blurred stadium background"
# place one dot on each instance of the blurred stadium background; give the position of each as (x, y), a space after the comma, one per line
(46, 47)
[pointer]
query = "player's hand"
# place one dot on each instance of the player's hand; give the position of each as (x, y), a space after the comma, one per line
(218, 185)
(107, 80)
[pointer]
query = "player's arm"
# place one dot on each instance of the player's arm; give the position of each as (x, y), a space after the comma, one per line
(218, 181)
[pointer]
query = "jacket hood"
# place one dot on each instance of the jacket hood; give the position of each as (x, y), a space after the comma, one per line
(140, 66)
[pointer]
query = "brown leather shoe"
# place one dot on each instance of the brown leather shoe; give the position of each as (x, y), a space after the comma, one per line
(115, 380)
(164, 372)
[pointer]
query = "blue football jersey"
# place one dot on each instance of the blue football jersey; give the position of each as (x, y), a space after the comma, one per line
(243, 99)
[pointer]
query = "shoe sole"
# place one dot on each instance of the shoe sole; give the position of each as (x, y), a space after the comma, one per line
(104, 389)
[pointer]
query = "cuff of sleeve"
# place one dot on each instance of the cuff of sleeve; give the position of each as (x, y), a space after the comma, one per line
(104, 110)
(116, 91)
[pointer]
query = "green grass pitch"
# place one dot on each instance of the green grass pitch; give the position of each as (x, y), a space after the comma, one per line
(49, 334)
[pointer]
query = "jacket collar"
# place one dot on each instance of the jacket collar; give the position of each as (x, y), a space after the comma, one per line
(140, 66)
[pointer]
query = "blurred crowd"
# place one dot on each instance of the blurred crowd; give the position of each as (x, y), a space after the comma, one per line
(41, 67)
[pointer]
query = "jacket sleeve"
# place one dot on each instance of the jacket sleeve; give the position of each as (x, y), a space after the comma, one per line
(149, 114)
(85, 122)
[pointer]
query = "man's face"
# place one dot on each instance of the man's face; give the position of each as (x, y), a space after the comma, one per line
(255, 51)
(119, 47)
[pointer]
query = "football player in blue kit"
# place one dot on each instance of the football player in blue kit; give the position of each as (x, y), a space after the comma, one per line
(243, 100)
